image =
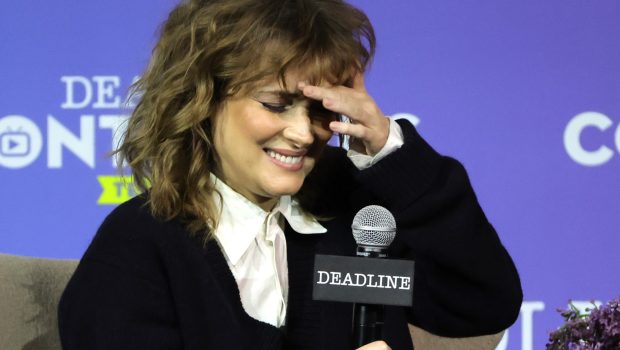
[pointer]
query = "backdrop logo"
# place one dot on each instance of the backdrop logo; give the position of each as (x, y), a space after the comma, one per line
(20, 141)
(573, 135)
(96, 110)
(116, 189)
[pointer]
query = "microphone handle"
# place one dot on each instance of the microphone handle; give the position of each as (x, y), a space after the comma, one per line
(367, 324)
(368, 318)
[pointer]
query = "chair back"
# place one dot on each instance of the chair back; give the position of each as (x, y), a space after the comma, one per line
(30, 289)
(424, 340)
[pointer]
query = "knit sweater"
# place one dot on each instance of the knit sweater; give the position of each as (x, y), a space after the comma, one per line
(145, 283)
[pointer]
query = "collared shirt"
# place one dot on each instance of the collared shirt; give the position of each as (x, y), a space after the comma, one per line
(254, 245)
(255, 249)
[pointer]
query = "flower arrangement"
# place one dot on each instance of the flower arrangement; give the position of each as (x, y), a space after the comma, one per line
(596, 329)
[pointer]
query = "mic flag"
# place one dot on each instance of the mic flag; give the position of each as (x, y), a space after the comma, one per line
(363, 280)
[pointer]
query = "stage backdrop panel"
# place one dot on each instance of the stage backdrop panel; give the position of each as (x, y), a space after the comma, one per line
(524, 93)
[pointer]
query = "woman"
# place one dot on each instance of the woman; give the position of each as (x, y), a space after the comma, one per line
(241, 190)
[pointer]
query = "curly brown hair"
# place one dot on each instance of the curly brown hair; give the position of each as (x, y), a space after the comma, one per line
(210, 50)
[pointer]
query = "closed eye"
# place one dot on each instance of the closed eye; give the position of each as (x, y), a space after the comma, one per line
(274, 107)
(315, 109)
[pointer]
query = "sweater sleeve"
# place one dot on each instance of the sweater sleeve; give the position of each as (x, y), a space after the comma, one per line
(465, 282)
(115, 300)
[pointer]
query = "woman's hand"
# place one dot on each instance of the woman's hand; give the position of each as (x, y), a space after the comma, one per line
(369, 128)
(375, 345)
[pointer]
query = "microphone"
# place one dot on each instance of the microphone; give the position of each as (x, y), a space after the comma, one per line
(368, 280)
(374, 229)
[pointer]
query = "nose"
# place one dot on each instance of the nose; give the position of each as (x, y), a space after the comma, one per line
(299, 129)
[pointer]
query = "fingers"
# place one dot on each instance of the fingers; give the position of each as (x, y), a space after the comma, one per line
(368, 124)
(354, 130)
(356, 105)
(377, 345)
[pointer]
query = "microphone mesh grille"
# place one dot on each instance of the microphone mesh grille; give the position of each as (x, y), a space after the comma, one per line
(374, 226)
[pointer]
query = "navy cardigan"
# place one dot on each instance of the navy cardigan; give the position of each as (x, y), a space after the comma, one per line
(145, 283)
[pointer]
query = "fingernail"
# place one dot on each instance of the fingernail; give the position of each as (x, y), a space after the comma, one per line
(327, 102)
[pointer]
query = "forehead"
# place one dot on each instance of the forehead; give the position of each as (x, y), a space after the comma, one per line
(290, 84)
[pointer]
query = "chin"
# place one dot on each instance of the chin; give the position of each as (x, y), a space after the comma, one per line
(284, 188)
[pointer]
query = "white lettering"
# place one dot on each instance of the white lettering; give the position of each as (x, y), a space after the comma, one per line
(572, 139)
(392, 281)
(321, 275)
(359, 283)
(58, 136)
(527, 322)
(106, 97)
(405, 283)
(370, 281)
(70, 82)
(335, 278)
(347, 280)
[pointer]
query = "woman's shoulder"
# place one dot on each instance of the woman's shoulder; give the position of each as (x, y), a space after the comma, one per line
(133, 218)
(134, 209)
(132, 232)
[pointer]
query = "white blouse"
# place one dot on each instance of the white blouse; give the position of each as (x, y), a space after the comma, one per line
(255, 249)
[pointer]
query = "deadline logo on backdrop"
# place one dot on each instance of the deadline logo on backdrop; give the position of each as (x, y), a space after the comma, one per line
(22, 139)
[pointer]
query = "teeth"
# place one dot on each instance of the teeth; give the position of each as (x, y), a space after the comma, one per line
(283, 158)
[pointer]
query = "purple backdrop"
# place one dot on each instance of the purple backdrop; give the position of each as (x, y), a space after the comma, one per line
(525, 94)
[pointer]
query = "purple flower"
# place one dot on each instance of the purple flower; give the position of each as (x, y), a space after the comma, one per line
(600, 330)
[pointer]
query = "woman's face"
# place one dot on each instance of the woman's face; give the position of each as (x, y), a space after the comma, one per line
(270, 140)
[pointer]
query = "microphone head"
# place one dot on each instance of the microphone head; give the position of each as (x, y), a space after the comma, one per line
(374, 226)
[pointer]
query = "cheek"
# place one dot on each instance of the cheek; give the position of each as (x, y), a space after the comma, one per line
(260, 127)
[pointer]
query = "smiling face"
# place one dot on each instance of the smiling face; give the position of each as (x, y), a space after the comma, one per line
(268, 141)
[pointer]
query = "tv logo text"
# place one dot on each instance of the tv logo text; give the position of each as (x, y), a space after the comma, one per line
(21, 140)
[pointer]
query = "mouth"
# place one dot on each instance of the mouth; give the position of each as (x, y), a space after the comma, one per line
(286, 159)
